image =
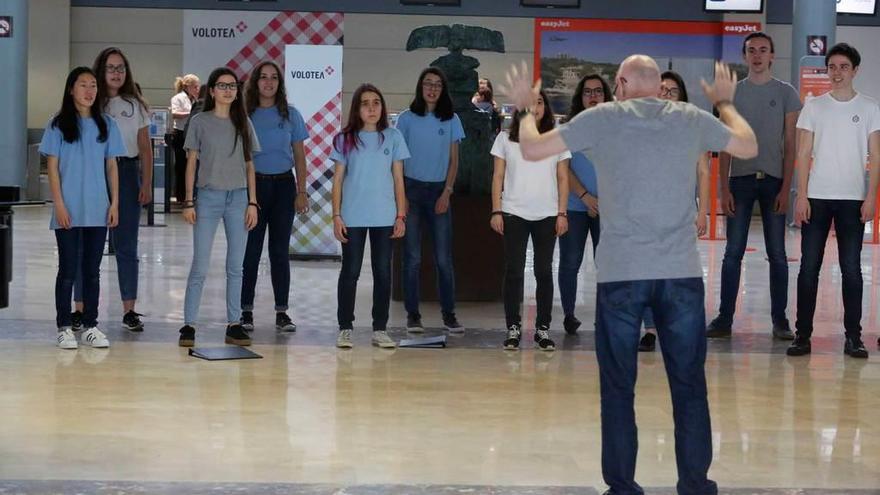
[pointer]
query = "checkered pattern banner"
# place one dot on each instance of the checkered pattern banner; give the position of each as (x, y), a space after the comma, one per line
(308, 46)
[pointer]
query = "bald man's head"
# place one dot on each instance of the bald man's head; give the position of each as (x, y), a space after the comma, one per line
(637, 77)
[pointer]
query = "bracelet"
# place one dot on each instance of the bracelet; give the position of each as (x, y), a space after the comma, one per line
(522, 113)
(254, 205)
(400, 217)
(337, 215)
(563, 214)
(188, 207)
(496, 212)
(583, 194)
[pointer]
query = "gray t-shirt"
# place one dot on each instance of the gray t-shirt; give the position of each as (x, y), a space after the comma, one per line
(221, 155)
(764, 107)
(645, 151)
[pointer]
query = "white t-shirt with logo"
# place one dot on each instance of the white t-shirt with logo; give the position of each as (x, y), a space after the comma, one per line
(840, 144)
(530, 190)
(131, 117)
(180, 103)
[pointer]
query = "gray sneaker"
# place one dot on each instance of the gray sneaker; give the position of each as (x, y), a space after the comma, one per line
(343, 341)
(381, 339)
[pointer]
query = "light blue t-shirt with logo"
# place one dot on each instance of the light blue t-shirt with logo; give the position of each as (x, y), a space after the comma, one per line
(428, 139)
(368, 189)
(585, 172)
(82, 166)
(276, 135)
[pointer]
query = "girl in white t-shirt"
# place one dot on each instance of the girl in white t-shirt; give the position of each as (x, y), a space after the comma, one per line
(529, 199)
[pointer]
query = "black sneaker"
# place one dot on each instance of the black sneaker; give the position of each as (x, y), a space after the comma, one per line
(236, 335)
(282, 322)
(571, 324)
(542, 338)
(853, 347)
(187, 336)
(414, 323)
(514, 334)
(782, 331)
(132, 322)
(718, 329)
(648, 342)
(800, 346)
(247, 321)
(76, 321)
(451, 323)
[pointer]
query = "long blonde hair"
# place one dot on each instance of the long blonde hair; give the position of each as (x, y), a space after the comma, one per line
(184, 81)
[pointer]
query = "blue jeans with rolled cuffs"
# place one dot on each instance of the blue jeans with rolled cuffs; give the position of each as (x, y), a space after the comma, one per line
(212, 206)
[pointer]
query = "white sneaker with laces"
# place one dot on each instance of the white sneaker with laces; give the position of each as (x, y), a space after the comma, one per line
(66, 339)
(381, 339)
(94, 337)
(343, 341)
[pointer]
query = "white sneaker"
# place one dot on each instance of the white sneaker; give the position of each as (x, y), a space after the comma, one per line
(381, 339)
(66, 339)
(343, 341)
(94, 338)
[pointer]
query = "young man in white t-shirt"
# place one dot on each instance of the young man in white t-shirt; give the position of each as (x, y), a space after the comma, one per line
(838, 131)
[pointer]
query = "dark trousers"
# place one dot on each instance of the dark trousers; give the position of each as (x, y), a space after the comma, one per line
(276, 194)
(746, 190)
(571, 254)
(848, 226)
(352, 261)
(422, 197)
(79, 249)
(516, 239)
(680, 317)
(179, 166)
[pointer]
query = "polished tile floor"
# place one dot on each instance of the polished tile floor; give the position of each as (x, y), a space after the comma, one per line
(143, 417)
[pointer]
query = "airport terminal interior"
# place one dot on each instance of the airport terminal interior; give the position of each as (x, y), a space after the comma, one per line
(145, 417)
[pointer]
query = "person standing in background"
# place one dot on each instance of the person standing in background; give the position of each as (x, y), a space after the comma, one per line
(186, 89)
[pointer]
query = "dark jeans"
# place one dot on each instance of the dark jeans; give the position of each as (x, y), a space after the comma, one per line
(276, 195)
(746, 190)
(846, 215)
(179, 165)
(680, 317)
(79, 249)
(516, 239)
(422, 197)
(352, 260)
(571, 254)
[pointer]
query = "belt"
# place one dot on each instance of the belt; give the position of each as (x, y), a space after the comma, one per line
(282, 176)
(760, 175)
(122, 159)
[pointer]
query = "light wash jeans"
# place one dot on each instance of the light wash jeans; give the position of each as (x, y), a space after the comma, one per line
(211, 206)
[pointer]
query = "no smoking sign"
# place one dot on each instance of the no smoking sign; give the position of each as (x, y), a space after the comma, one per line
(6, 26)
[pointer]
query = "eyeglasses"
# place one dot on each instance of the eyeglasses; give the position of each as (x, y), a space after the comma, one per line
(119, 69)
(226, 86)
(594, 92)
(430, 85)
(664, 91)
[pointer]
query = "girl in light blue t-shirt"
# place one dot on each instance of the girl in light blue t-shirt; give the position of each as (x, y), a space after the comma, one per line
(368, 200)
(81, 145)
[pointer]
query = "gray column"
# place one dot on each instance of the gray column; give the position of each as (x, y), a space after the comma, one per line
(810, 18)
(13, 96)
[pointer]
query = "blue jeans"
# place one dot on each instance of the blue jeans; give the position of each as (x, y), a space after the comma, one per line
(571, 254)
(80, 250)
(850, 230)
(746, 190)
(276, 194)
(211, 206)
(352, 261)
(422, 197)
(124, 237)
(680, 318)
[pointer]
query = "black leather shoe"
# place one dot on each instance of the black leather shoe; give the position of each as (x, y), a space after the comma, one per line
(800, 347)
(853, 347)
(718, 329)
(648, 343)
(782, 331)
(571, 324)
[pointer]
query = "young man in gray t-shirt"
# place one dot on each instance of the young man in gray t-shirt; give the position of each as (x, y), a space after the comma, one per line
(771, 107)
(644, 150)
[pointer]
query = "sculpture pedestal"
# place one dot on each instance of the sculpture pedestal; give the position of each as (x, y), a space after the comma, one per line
(477, 254)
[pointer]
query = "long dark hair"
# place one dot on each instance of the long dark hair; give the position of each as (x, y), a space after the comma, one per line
(67, 119)
(577, 99)
(546, 123)
(419, 106)
(252, 90)
(128, 91)
(348, 139)
(237, 114)
(682, 89)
